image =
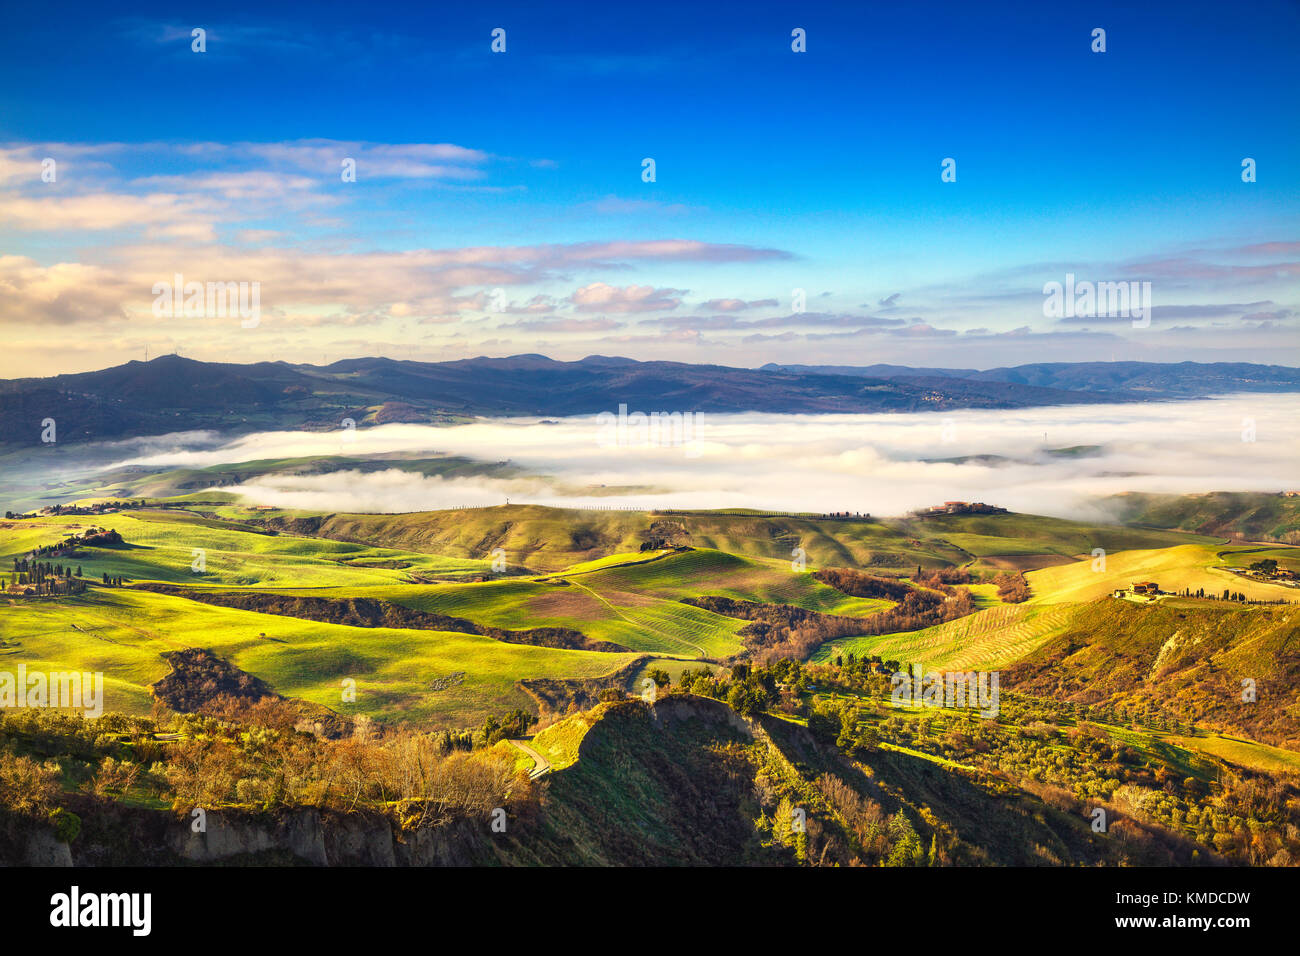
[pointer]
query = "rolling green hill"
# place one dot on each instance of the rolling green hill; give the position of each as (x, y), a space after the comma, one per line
(124, 633)
(1106, 702)
(549, 539)
(588, 574)
(1024, 542)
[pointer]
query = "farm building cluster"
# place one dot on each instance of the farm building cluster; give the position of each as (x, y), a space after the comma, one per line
(1140, 591)
(960, 508)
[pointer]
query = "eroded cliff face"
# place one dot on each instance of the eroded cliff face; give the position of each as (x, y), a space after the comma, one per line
(307, 837)
(42, 848)
(677, 708)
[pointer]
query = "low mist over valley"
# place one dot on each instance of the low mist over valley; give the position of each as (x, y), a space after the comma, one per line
(1058, 460)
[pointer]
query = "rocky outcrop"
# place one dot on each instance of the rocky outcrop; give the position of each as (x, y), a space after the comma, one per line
(460, 842)
(44, 849)
(331, 839)
(357, 840)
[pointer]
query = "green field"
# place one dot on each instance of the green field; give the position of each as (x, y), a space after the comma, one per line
(1242, 557)
(123, 634)
(640, 623)
(161, 545)
(550, 539)
(709, 572)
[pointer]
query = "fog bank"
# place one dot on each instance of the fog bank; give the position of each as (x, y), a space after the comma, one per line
(880, 463)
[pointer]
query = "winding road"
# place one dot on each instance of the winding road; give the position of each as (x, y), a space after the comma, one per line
(542, 764)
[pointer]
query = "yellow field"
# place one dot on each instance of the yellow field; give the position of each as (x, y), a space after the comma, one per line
(985, 640)
(1186, 566)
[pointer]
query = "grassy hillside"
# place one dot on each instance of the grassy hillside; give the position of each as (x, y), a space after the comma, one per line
(549, 539)
(560, 742)
(680, 784)
(705, 571)
(160, 546)
(638, 622)
(1287, 556)
(1260, 516)
(1187, 659)
(1024, 542)
(611, 590)
(1239, 752)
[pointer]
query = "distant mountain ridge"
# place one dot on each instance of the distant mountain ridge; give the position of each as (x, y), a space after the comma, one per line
(1149, 379)
(171, 393)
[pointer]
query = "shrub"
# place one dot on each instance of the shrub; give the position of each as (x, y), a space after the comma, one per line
(26, 786)
(67, 825)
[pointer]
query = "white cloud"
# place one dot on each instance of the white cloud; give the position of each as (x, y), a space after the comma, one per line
(600, 297)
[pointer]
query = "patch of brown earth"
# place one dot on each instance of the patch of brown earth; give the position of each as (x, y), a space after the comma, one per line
(566, 602)
(1025, 562)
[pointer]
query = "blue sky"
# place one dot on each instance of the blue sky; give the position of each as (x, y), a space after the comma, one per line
(514, 180)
